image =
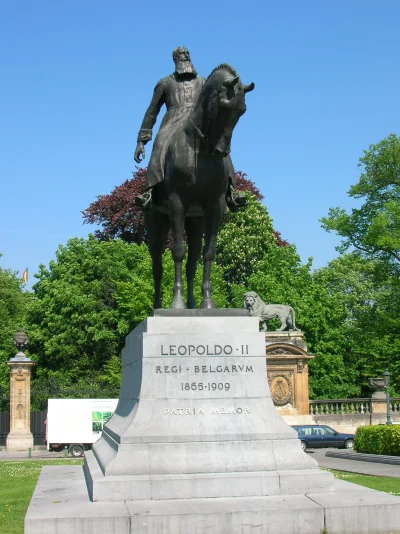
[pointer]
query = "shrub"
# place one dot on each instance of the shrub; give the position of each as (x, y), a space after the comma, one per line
(379, 439)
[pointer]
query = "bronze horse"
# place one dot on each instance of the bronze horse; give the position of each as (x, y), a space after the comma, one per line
(192, 197)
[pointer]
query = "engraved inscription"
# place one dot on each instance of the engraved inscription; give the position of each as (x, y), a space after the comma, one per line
(194, 386)
(218, 375)
(202, 350)
(223, 369)
(168, 369)
(213, 411)
(228, 411)
(206, 369)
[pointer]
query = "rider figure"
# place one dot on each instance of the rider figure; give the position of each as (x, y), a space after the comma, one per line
(179, 92)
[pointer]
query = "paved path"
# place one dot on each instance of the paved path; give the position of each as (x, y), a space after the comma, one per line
(365, 468)
(354, 466)
(42, 454)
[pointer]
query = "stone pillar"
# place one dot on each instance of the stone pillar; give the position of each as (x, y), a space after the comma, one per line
(287, 370)
(20, 437)
(378, 396)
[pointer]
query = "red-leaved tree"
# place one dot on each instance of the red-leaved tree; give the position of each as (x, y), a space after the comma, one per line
(117, 213)
(119, 217)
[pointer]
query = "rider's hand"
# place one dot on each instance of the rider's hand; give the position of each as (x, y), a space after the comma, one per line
(139, 152)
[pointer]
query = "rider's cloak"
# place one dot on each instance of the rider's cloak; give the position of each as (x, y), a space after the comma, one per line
(179, 93)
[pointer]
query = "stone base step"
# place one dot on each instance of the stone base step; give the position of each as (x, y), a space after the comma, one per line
(202, 485)
(61, 504)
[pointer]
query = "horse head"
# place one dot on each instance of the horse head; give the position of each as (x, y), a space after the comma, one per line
(223, 104)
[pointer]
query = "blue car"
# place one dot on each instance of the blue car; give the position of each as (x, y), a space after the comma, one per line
(317, 436)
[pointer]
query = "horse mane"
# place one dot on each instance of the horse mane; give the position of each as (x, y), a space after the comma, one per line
(223, 66)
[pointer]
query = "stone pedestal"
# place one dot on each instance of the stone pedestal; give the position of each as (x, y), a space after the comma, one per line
(287, 371)
(378, 396)
(20, 437)
(378, 404)
(195, 418)
(196, 446)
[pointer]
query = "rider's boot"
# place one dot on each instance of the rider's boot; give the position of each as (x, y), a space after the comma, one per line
(235, 200)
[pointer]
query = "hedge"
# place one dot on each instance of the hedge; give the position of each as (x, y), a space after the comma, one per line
(379, 439)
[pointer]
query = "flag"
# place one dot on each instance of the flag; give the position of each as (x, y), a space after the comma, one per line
(25, 275)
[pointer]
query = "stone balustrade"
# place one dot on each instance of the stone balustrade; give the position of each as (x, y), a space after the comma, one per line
(349, 406)
(345, 415)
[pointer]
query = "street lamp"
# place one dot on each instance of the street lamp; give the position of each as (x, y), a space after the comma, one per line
(386, 379)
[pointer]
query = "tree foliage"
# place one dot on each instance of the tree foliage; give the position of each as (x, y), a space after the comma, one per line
(360, 339)
(374, 228)
(88, 299)
(244, 239)
(252, 260)
(366, 283)
(116, 212)
(13, 303)
(75, 326)
(97, 291)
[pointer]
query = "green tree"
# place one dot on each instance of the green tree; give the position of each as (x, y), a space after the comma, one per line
(244, 239)
(13, 303)
(75, 326)
(374, 228)
(281, 277)
(88, 300)
(252, 259)
(374, 231)
(360, 335)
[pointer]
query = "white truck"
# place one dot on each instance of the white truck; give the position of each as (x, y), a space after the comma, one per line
(76, 424)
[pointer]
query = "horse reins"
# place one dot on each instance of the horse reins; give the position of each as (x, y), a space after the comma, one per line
(197, 129)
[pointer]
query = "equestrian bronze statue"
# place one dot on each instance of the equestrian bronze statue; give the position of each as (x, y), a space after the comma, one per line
(191, 181)
(179, 92)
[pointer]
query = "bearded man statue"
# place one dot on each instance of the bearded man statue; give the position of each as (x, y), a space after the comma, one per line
(179, 92)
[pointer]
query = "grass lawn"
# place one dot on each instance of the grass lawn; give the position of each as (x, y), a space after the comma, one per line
(18, 480)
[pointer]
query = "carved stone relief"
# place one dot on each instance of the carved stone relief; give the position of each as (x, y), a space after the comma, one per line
(19, 376)
(281, 387)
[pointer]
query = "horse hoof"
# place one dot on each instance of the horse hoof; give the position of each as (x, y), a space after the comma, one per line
(178, 304)
(207, 304)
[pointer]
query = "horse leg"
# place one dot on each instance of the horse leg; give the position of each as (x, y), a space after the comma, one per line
(212, 217)
(177, 221)
(194, 233)
(157, 225)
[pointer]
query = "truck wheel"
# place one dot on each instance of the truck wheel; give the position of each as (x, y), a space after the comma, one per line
(304, 446)
(76, 450)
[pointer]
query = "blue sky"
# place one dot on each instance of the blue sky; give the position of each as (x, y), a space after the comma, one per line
(77, 77)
